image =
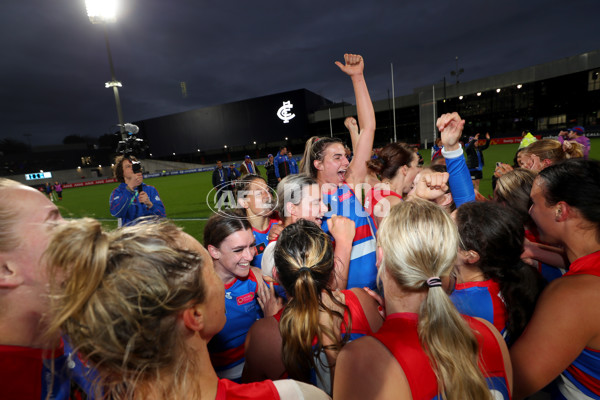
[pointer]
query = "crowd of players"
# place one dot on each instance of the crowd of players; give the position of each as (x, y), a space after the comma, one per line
(365, 279)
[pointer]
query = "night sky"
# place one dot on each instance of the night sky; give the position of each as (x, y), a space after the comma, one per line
(54, 61)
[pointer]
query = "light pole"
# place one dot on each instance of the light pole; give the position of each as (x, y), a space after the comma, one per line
(457, 72)
(102, 12)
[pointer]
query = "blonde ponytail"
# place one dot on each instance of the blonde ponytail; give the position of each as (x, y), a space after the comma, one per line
(420, 241)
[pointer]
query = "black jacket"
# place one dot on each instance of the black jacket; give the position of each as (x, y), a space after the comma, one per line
(471, 150)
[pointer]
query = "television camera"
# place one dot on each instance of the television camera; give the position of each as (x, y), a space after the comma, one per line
(131, 144)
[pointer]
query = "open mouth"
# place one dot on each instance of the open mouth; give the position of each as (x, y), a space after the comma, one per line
(342, 174)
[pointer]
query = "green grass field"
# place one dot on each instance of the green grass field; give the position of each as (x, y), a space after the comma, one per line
(184, 196)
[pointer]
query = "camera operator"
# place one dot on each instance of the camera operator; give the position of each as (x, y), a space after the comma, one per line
(133, 198)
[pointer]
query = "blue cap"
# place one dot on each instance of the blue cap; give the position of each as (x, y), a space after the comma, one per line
(247, 157)
(577, 129)
(269, 155)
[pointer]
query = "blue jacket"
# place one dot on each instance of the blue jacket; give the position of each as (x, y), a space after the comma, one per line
(125, 204)
(293, 165)
(282, 166)
(459, 181)
(233, 174)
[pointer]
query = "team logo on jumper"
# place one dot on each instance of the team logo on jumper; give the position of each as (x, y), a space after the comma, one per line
(284, 112)
(245, 299)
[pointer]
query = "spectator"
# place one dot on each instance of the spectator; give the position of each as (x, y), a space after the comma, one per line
(292, 162)
(282, 166)
(575, 134)
(475, 160)
(27, 219)
(271, 175)
(248, 167)
(220, 179)
(133, 199)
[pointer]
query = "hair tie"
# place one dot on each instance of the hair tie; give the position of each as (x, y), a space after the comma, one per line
(304, 269)
(434, 281)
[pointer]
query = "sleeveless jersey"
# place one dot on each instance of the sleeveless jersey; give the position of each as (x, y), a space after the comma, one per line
(362, 270)
(581, 379)
(360, 327)
(227, 347)
(548, 272)
(228, 390)
(399, 335)
(483, 300)
(374, 196)
(262, 240)
(26, 373)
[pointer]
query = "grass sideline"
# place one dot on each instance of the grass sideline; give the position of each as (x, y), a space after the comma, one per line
(184, 196)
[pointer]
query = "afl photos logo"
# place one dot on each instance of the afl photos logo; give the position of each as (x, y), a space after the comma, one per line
(284, 112)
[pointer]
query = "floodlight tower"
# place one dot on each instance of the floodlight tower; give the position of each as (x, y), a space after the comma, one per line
(458, 72)
(103, 12)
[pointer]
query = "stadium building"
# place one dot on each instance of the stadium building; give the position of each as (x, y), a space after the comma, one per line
(542, 99)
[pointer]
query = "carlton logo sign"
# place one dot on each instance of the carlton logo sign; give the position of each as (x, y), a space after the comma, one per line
(284, 112)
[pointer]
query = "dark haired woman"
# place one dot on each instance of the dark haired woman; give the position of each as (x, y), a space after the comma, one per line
(491, 280)
(229, 241)
(325, 160)
(397, 166)
(563, 336)
(303, 340)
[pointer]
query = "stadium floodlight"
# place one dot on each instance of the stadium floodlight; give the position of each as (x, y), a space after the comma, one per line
(101, 11)
(113, 84)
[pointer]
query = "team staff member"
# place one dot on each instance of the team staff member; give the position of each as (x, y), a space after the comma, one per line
(133, 199)
(282, 165)
(475, 160)
(292, 162)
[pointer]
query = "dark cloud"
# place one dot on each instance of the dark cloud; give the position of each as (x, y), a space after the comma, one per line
(54, 62)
